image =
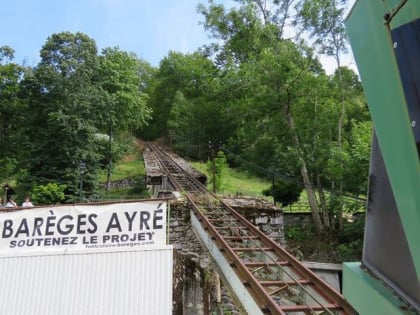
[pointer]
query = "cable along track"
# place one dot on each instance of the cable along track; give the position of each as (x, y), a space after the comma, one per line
(275, 279)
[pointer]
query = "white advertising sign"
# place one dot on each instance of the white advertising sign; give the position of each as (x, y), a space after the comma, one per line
(60, 229)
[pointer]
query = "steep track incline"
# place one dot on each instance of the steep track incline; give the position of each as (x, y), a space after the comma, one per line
(276, 281)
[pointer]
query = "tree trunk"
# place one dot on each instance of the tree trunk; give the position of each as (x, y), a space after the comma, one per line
(311, 198)
(325, 214)
(109, 167)
(340, 145)
(305, 177)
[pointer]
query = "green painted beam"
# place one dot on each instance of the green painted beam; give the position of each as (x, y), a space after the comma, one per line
(373, 51)
(368, 295)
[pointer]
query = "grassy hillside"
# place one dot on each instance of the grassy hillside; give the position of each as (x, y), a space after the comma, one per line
(237, 182)
(234, 182)
(129, 167)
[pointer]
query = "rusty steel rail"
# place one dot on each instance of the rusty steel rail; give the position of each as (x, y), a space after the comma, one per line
(276, 280)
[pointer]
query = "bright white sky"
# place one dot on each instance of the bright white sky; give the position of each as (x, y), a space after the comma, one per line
(149, 28)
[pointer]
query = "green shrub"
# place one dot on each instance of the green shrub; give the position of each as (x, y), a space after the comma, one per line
(351, 240)
(52, 193)
(299, 233)
(284, 191)
(351, 251)
(352, 231)
(218, 167)
(140, 187)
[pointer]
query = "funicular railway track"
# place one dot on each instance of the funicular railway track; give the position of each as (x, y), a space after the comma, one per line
(276, 280)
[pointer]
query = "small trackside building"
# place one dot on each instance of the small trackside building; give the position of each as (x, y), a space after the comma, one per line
(86, 259)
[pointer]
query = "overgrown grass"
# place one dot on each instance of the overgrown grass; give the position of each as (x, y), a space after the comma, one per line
(128, 169)
(130, 166)
(237, 182)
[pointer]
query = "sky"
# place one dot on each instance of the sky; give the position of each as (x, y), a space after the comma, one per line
(149, 28)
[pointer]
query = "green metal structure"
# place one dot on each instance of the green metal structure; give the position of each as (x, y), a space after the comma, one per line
(385, 38)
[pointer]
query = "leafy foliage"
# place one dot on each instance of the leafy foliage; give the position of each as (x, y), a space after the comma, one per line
(11, 108)
(51, 193)
(261, 94)
(293, 117)
(60, 129)
(73, 96)
(298, 233)
(351, 240)
(217, 168)
(285, 192)
(124, 105)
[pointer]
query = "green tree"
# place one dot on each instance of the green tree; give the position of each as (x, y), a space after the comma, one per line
(180, 123)
(288, 106)
(217, 167)
(284, 191)
(62, 114)
(11, 108)
(324, 21)
(123, 106)
(167, 81)
(186, 103)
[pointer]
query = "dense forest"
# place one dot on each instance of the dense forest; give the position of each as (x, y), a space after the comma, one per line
(257, 92)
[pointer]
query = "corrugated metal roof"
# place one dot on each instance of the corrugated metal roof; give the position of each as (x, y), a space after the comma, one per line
(117, 283)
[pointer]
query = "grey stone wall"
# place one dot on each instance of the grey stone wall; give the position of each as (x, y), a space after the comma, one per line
(291, 219)
(195, 280)
(271, 223)
(195, 283)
